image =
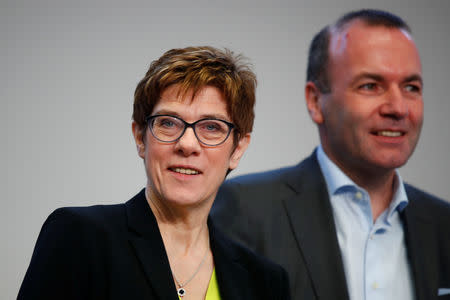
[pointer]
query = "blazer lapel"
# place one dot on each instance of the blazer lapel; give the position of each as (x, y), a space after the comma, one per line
(232, 277)
(147, 242)
(421, 243)
(311, 217)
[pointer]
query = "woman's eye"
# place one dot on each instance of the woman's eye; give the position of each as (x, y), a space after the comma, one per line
(211, 127)
(167, 123)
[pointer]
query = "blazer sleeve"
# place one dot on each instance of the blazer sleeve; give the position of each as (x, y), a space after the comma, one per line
(59, 267)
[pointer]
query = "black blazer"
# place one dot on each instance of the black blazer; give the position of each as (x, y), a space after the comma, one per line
(117, 252)
(286, 215)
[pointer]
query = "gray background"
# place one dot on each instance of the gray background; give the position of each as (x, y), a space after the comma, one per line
(69, 70)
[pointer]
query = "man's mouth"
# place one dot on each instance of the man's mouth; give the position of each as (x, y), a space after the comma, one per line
(389, 133)
(185, 171)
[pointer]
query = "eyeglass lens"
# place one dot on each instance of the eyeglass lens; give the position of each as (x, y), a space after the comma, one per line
(208, 131)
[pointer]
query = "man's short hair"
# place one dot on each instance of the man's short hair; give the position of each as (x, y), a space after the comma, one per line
(318, 55)
(193, 68)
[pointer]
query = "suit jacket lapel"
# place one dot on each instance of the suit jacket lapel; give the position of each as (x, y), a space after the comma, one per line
(232, 277)
(311, 217)
(147, 242)
(421, 243)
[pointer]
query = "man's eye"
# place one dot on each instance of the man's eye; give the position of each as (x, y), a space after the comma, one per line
(368, 86)
(412, 88)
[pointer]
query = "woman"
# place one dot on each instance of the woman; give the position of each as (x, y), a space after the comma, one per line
(192, 118)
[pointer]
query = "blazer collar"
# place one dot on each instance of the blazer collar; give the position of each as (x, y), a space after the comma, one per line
(147, 242)
(232, 276)
(310, 214)
(421, 237)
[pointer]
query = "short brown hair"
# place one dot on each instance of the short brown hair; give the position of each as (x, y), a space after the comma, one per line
(194, 68)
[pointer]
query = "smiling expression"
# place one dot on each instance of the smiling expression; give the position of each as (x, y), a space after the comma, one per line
(371, 119)
(186, 172)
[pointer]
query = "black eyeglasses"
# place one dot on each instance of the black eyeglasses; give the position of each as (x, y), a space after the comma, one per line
(209, 131)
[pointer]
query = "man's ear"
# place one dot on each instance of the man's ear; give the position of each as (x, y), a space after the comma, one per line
(313, 98)
(239, 151)
(138, 139)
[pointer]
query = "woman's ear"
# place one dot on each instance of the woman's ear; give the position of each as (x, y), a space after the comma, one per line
(313, 98)
(138, 134)
(239, 151)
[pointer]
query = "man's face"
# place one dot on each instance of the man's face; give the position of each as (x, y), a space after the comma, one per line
(373, 116)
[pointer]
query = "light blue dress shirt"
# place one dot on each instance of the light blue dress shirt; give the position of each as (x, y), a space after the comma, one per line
(374, 253)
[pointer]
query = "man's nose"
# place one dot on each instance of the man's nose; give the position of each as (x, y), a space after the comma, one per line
(396, 104)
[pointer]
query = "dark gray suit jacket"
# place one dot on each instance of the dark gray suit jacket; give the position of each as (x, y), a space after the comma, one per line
(117, 252)
(286, 215)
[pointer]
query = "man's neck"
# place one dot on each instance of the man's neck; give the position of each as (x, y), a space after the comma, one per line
(380, 185)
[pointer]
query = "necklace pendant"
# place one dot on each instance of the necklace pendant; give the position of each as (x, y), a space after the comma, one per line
(181, 292)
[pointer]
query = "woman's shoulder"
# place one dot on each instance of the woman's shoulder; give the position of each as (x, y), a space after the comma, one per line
(86, 215)
(68, 226)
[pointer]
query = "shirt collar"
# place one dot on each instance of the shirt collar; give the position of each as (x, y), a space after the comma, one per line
(334, 177)
(337, 180)
(400, 199)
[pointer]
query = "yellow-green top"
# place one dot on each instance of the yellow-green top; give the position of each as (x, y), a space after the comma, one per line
(213, 288)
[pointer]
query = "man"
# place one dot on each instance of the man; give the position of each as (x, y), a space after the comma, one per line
(342, 222)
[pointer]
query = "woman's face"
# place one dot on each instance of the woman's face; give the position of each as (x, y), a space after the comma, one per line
(166, 164)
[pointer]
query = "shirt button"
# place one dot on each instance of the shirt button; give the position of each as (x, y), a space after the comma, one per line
(374, 285)
(358, 195)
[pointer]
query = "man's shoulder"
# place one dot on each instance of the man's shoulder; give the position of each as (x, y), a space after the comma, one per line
(421, 197)
(275, 176)
(426, 204)
(264, 189)
(258, 188)
(263, 177)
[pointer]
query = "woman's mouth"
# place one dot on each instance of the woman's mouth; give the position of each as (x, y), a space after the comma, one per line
(185, 171)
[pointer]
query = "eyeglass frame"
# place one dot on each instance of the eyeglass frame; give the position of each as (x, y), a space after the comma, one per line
(230, 125)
